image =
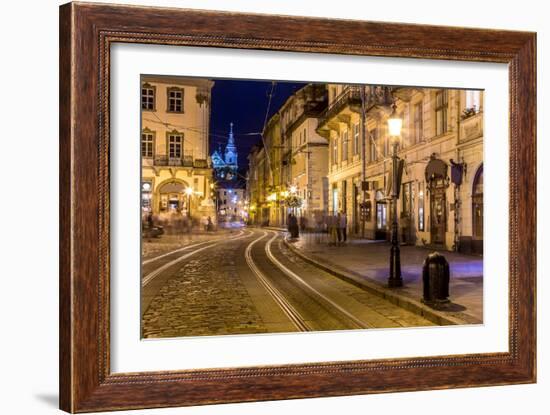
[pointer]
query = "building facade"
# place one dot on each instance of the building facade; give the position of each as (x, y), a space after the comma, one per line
(175, 119)
(305, 153)
(441, 194)
(336, 156)
(257, 185)
(291, 162)
(231, 205)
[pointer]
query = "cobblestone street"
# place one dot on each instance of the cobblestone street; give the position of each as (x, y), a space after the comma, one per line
(249, 282)
(205, 296)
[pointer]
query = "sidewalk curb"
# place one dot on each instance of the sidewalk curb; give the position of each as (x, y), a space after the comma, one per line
(405, 302)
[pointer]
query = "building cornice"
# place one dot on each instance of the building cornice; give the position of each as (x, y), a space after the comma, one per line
(178, 80)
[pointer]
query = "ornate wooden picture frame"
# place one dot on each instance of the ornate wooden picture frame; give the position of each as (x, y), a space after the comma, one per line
(87, 32)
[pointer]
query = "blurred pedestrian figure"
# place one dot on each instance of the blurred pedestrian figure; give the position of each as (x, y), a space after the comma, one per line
(186, 224)
(288, 220)
(342, 224)
(338, 229)
(209, 224)
(303, 223)
(293, 225)
(332, 230)
(150, 222)
(319, 226)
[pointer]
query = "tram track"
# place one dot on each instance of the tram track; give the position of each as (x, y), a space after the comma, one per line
(285, 292)
(328, 303)
(201, 246)
(293, 315)
(184, 248)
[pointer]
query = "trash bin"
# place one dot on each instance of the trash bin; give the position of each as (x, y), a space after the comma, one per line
(435, 279)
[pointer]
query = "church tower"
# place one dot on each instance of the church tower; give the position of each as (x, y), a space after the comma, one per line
(231, 150)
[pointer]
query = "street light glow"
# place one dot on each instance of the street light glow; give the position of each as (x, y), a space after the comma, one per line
(188, 191)
(395, 123)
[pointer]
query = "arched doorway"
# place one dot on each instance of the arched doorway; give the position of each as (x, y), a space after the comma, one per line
(172, 197)
(477, 212)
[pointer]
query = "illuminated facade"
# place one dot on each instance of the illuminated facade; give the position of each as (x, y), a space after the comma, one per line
(291, 162)
(441, 194)
(175, 119)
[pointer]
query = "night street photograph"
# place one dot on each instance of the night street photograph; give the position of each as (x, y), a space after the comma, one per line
(271, 206)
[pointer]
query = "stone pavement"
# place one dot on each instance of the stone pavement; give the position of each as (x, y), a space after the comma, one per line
(204, 296)
(152, 247)
(366, 262)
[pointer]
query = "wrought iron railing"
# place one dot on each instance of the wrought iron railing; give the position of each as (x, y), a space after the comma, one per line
(351, 95)
(183, 161)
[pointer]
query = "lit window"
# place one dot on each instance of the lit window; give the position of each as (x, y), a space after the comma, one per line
(441, 104)
(373, 143)
(334, 150)
(418, 124)
(148, 97)
(175, 100)
(344, 145)
(175, 144)
(355, 139)
(147, 145)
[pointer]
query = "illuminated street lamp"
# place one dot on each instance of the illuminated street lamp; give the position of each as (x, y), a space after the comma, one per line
(395, 124)
(293, 189)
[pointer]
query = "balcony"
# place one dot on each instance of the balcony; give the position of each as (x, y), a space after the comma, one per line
(350, 101)
(184, 161)
(349, 98)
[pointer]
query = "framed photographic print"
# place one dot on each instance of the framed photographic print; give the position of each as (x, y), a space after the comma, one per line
(261, 207)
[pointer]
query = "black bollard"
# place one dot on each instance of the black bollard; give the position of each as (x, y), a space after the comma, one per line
(435, 279)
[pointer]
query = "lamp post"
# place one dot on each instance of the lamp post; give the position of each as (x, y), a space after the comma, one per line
(394, 127)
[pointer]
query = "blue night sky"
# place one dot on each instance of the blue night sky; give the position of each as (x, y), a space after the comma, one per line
(244, 103)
